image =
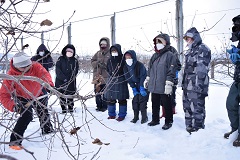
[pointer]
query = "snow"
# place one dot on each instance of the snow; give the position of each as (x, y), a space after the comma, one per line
(130, 141)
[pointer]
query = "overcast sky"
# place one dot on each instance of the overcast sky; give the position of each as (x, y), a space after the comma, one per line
(136, 28)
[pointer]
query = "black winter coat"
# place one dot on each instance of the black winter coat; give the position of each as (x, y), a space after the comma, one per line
(116, 87)
(46, 60)
(66, 72)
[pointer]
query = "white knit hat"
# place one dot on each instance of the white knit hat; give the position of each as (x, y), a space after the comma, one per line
(21, 59)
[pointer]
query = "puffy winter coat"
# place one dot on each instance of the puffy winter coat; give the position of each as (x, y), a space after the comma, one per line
(116, 87)
(66, 71)
(12, 88)
(136, 73)
(99, 61)
(161, 68)
(46, 60)
(197, 59)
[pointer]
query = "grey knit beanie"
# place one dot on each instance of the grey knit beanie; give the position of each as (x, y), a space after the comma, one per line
(21, 59)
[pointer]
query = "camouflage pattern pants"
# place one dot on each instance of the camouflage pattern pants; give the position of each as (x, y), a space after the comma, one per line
(194, 108)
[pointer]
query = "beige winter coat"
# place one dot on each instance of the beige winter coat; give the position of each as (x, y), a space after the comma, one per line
(99, 62)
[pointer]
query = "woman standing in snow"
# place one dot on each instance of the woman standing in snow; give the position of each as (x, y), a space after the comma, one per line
(161, 72)
(195, 80)
(116, 88)
(99, 64)
(66, 72)
(135, 73)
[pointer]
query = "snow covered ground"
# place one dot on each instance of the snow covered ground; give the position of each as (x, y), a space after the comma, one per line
(130, 141)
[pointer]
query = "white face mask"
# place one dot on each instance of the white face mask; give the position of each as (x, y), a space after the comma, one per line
(69, 54)
(114, 54)
(41, 53)
(129, 62)
(159, 46)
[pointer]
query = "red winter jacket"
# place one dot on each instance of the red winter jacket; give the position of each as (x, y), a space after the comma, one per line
(12, 87)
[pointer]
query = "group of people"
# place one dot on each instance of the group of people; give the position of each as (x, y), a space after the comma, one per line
(116, 70)
(161, 78)
(113, 71)
(24, 96)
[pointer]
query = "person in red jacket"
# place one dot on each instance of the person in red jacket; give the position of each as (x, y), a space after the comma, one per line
(22, 96)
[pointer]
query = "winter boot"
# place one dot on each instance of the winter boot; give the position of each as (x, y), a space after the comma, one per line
(226, 135)
(136, 116)
(236, 143)
(119, 119)
(144, 116)
(166, 126)
(153, 123)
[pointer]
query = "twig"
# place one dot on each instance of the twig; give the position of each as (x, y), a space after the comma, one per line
(136, 143)
(213, 25)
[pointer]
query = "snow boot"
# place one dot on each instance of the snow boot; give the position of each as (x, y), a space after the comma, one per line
(153, 123)
(136, 116)
(16, 147)
(166, 126)
(119, 119)
(226, 135)
(236, 143)
(144, 116)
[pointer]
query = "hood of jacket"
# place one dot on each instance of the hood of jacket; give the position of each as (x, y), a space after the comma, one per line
(69, 46)
(166, 38)
(108, 42)
(118, 48)
(194, 34)
(42, 47)
(133, 55)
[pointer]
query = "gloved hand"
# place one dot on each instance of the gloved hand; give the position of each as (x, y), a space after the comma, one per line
(142, 91)
(135, 92)
(176, 74)
(146, 82)
(168, 87)
(235, 57)
(233, 49)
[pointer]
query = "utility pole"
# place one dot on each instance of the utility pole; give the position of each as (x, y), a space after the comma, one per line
(113, 29)
(179, 33)
(22, 43)
(69, 34)
(42, 38)
(179, 26)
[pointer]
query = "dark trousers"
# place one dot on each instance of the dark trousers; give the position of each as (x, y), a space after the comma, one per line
(26, 116)
(233, 107)
(66, 103)
(157, 99)
(100, 99)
